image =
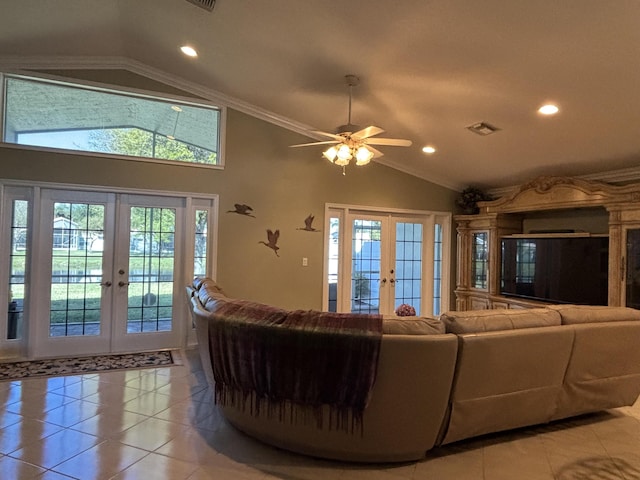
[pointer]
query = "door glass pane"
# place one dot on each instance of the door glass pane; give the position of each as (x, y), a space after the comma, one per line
(76, 269)
(151, 265)
(200, 250)
(437, 269)
(633, 269)
(17, 261)
(480, 260)
(365, 268)
(332, 267)
(408, 274)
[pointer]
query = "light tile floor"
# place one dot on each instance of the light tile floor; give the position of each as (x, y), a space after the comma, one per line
(161, 424)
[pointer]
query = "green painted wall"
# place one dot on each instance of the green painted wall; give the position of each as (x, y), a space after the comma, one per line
(282, 184)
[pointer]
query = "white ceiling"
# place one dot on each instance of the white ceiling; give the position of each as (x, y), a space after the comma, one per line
(428, 69)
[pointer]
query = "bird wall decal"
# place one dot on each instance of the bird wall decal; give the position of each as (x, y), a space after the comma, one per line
(242, 209)
(272, 238)
(308, 224)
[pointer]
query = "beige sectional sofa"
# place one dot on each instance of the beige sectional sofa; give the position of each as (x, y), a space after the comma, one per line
(465, 374)
(524, 367)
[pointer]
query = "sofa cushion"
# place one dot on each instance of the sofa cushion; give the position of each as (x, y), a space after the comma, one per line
(409, 325)
(572, 314)
(198, 281)
(208, 283)
(209, 297)
(473, 321)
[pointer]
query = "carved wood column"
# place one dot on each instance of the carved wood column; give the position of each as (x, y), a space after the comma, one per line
(464, 264)
(616, 257)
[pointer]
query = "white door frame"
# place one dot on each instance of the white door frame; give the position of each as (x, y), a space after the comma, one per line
(385, 260)
(46, 345)
(122, 341)
(27, 346)
(344, 213)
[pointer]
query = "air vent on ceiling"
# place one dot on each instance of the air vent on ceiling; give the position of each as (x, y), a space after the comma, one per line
(483, 128)
(206, 4)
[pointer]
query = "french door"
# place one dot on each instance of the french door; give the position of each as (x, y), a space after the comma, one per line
(106, 276)
(376, 261)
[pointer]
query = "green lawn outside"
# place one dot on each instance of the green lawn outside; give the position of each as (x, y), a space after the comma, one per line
(87, 261)
(79, 301)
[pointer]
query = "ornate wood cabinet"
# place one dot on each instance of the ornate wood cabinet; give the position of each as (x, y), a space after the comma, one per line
(595, 207)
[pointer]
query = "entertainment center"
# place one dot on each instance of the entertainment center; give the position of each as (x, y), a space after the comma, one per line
(552, 240)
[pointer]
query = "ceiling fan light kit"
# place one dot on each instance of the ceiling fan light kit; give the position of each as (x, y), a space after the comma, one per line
(342, 154)
(363, 155)
(352, 142)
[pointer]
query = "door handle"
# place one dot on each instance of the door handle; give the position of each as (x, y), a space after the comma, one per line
(106, 284)
(392, 281)
(122, 284)
(383, 281)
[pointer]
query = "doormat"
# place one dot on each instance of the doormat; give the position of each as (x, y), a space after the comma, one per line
(73, 365)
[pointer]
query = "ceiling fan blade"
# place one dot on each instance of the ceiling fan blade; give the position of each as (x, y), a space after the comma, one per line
(376, 153)
(330, 135)
(395, 142)
(313, 143)
(366, 133)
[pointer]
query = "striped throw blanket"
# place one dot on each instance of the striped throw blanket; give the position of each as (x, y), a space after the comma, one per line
(278, 362)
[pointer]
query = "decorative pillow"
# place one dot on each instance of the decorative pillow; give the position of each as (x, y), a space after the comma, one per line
(572, 314)
(474, 321)
(405, 310)
(410, 325)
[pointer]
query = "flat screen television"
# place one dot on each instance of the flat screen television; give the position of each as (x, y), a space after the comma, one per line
(556, 269)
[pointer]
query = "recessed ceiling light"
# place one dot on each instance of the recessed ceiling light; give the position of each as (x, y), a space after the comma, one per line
(549, 109)
(429, 149)
(189, 51)
(176, 108)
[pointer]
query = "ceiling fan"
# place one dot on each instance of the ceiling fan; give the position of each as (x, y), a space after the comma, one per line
(350, 141)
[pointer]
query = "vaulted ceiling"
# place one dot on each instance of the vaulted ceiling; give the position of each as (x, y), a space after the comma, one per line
(428, 69)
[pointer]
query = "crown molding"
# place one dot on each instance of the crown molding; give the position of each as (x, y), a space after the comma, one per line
(622, 175)
(15, 62)
(457, 187)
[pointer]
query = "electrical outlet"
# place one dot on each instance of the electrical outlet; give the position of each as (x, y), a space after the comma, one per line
(305, 262)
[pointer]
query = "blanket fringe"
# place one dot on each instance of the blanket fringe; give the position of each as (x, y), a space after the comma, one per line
(322, 416)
